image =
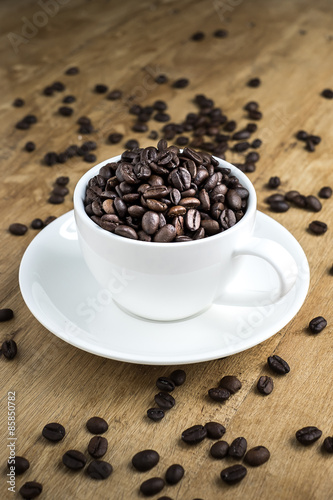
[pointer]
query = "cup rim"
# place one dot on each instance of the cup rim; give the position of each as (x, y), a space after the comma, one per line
(79, 193)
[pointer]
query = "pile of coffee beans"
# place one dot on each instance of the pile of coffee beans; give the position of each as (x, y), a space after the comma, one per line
(164, 195)
(281, 202)
(59, 190)
(163, 399)
(311, 140)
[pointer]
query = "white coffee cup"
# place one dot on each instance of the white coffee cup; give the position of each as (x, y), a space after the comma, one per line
(172, 281)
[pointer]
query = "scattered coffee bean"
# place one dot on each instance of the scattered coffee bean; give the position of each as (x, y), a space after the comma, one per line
(140, 127)
(60, 190)
(327, 444)
(308, 435)
(265, 385)
(97, 446)
(275, 197)
(74, 459)
(278, 365)
(221, 33)
(219, 394)
(231, 383)
(254, 82)
(48, 91)
(194, 434)
(6, 314)
(214, 430)
(69, 99)
(174, 474)
(65, 111)
(325, 192)
(9, 349)
(165, 384)
(97, 425)
(256, 143)
(219, 449)
(178, 377)
(315, 139)
(114, 95)
(257, 456)
(100, 88)
(18, 102)
(89, 158)
(58, 86)
(115, 138)
(291, 195)
(30, 146)
(153, 135)
(54, 432)
(164, 400)
(197, 37)
(310, 146)
(327, 93)
(255, 115)
(274, 182)
(233, 474)
(155, 414)
(56, 199)
(312, 203)
(62, 180)
(20, 464)
(279, 206)
(181, 83)
(98, 469)
(73, 70)
(237, 448)
(301, 135)
(160, 79)
(31, 489)
(145, 460)
(152, 486)
(50, 158)
(18, 229)
(317, 227)
(132, 144)
(317, 324)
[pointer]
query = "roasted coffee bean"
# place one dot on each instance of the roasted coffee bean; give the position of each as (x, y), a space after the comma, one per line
(150, 222)
(194, 434)
(325, 192)
(256, 143)
(68, 99)
(255, 115)
(115, 138)
(192, 219)
(228, 218)
(54, 432)
(198, 36)
(30, 119)
(214, 430)
(257, 456)
(20, 465)
(56, 199)
(162, 117)
(65, 111)
(165, 384)
(181, 83)
(7, 314)
(178, 377)
(310, 145)
(241, 135)
(164, 400)
(312, 203)
(233, 474)
(131, 144)
(145, 460)
(241, 146)
(251, 106)
(97, 446)
(299, 201)
(315, 139)
(327, 93)
(265, 385)
(221, 33)
(317, 324)
(166, 234)
(100, 88)
(48, 91)
(126, 232)
(18, 229)
(237, 448)
(182, 140)
(97, 425)
(140, 127)
(233, 199)
(219, 394)
(327, 444)
(30, 146)
(58, 86)
(291, 195)
(160, 79)
(278, 365)
(254, 82)
(31, 489)
(174, 474)
(50, 159)
(114, 95)
(9, 349)
(89, 158)
(155, 414)
(98, 469)
(301, 135)
(230, 126)
(60, 190)
(219, 450)
(231, 383)
(18, 102)
(308, 435)
(152, 486)
(73, 70)
(274, 182)
(74, 459)
(318, 227)
(279, 206)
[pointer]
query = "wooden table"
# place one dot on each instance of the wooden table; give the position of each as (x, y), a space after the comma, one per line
(122, 44)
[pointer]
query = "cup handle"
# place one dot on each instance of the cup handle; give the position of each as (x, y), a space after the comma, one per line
(279, 258)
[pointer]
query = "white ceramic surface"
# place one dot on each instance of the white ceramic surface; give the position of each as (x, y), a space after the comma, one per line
(60, 292)
(164, 281)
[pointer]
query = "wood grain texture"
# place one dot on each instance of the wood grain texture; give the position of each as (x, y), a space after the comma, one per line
(122, 44)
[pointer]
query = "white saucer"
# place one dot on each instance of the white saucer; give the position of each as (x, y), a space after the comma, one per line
(64, 297)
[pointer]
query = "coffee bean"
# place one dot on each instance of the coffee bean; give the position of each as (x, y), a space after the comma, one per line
(233, 474)
(299, 201)
(18, 102)
(74, 459)
(98, 469)
(49, 219)
(312, 203)
(256, 143)
(227, 219)
(145, 460)
(327, 444)
(48, 91)
(221, 33)
(230, 126)
(251, 106)
(214, 430)
(257, 456)
(155, 414)
(97, 446)
(265, 385)
(181, 83)
(301, 135)
(317, 324)
(291, 195)
(325, 192)
(114, 95)
(308, 435)
(315, 139)
(237, 448)
(152, 486)
(56, 199)
(68, 99)
(89, 158)
(65, 111)
(241, 135)
(60, 190)
(241, 146)
(174, 474)
(160, 79)
(6, 314)
(255, 115)
(153, 135)
(231, 383)
(219, 449)
(197, 37)
(50, 159)
(73, 70)
(178, 377)
(254, 82)
(274, 182)
(165, 384)
(164, 400)
(194, 434)
(279, 206)
(31, 489)
(54, 432)
(166, 234)
(58, 86)
(219, 394)
(310, 146)
(97, 425)
(318, 227)
(182, 140)
(278, 365)
(20, 464)
(100, 88)
(30, 146)
(9, 349)
(18, 229)
(327, 93)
